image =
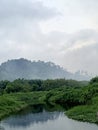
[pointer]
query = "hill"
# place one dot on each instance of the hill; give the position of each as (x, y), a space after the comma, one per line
(23, 68)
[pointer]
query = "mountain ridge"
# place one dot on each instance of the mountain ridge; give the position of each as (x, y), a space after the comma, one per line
(23, 68)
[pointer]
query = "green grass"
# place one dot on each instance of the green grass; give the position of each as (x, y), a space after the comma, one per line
(86, 113)
(12, 103)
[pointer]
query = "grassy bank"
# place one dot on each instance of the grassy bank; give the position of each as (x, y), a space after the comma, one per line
(86, 113)
(12, 103)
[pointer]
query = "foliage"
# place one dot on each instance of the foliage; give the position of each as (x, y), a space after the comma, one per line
(94, 80)
(80, 101)
(21, 85)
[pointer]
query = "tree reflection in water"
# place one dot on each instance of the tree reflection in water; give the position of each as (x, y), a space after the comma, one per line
(32, 118)
(35, 114)
(1, 128)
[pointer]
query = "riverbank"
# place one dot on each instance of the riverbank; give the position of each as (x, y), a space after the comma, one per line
(85, 113)
(79, 102)
(13, 103)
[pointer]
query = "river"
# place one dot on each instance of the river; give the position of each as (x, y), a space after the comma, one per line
(44, 120)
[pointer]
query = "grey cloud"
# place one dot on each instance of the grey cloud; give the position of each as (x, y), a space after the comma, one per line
(89, 4)
(25, 9)
(81, 38)
(83, 52)
(19, 25)
(84, 59)
(89, 8)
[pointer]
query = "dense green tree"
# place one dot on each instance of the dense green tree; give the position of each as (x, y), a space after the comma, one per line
(94, 80)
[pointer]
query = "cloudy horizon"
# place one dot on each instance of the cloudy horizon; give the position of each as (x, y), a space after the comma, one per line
(64, 32)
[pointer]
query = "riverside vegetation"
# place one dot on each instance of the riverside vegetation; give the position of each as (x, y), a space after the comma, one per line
(78, 98)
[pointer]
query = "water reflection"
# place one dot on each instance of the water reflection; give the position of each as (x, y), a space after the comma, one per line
(43, 120)
(1, 128)
(31, 118)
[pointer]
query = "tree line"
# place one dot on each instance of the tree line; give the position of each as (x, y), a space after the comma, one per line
(22, 85)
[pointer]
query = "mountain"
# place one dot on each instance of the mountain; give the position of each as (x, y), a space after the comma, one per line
(23, 68)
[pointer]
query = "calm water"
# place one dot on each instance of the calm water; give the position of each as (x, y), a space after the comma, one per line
(44, 121)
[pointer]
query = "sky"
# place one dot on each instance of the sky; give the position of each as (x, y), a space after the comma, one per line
(62, 31)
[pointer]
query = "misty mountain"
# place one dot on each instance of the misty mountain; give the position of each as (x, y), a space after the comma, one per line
(22, 68)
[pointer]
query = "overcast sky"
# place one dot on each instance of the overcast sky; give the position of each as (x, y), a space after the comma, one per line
(62, 31)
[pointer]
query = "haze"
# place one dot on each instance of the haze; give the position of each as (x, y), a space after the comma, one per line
(62, 31)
